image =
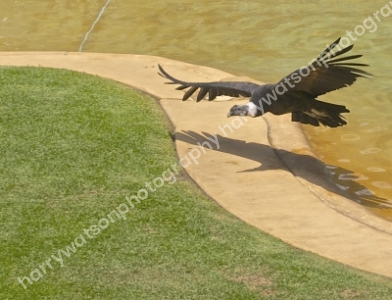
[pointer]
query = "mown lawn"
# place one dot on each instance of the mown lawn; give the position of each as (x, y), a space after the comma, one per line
(73, 146)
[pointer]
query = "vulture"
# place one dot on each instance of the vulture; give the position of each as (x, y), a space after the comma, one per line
(296, 93)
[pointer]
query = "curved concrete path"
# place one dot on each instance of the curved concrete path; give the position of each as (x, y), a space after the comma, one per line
(281, 190)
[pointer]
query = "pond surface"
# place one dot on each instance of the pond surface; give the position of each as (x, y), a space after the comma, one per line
(265, 40)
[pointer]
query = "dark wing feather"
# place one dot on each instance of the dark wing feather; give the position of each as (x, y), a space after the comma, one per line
(212, 94)
(213, 89)
(328, 74)
(189, 92)
(203, 92)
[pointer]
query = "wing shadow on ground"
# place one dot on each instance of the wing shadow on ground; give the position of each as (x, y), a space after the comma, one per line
(305, 166)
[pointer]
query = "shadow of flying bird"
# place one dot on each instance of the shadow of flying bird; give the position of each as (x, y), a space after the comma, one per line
(307, 167)
(296, 93)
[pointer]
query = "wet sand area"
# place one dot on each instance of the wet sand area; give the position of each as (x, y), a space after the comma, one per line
(261, 170)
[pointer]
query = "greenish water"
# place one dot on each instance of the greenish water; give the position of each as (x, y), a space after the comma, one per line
(262, 39)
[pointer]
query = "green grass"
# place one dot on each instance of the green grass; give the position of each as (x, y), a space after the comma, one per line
(72, 147)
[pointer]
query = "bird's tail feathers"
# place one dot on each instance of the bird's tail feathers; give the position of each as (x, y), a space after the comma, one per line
(321, 112)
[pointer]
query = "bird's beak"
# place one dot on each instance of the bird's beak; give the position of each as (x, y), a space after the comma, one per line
(229, 114)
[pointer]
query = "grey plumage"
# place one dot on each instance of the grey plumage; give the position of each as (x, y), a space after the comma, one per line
(296, 93)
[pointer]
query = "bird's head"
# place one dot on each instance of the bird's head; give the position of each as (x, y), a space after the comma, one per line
(238, 110)
(243, 110)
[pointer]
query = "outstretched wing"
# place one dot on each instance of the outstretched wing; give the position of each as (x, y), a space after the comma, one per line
(327, 73)
(213, 89)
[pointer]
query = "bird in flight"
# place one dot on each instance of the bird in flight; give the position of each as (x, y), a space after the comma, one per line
(296, 93)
